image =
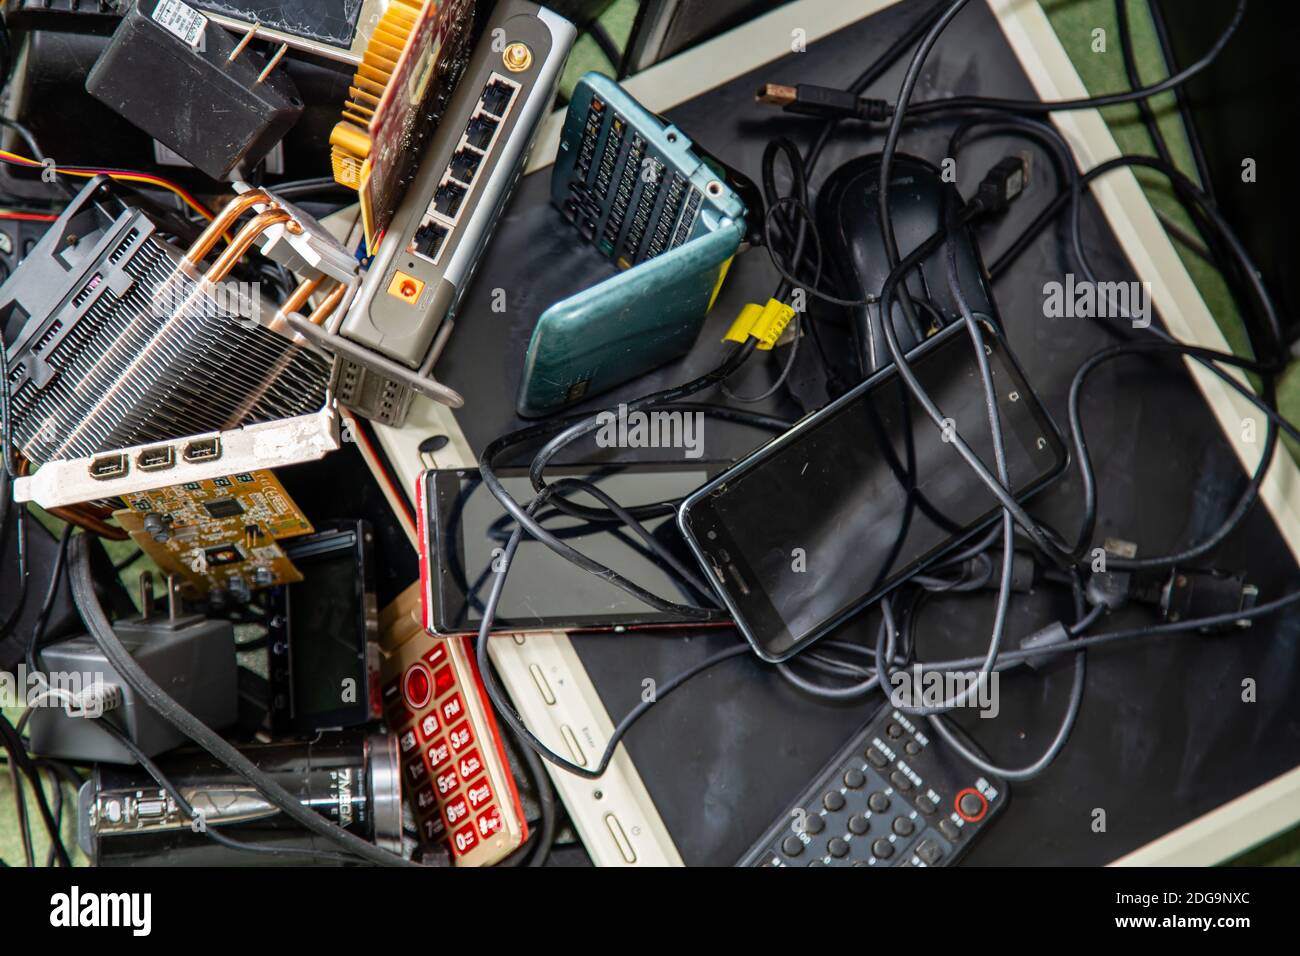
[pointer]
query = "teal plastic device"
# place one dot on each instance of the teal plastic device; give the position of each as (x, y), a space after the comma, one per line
(635, 188)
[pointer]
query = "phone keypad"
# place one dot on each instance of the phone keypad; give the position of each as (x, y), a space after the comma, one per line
(450, 759)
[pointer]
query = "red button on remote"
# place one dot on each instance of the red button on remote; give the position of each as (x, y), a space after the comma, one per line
(971, 805)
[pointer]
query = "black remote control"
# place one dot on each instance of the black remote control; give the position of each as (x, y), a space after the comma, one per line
(891, 797)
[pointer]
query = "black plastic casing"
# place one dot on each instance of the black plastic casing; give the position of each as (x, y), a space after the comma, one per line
(848, 215)
(193, 98)
(291, 647)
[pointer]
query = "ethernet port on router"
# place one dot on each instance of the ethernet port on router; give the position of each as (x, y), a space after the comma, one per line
(496, 97)
(429, 239)
(479, 131)
(448, 198)
(465, 164)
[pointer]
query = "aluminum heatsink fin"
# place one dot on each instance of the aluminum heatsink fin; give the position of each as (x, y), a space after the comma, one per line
(113, 345)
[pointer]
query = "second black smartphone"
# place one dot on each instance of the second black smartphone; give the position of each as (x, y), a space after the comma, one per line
(864, 493)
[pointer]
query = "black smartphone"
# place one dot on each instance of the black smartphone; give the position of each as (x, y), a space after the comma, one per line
(862, 494)
(323, 651)
(464, 531)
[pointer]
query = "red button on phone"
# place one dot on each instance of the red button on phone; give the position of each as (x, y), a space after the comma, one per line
(469, 765)
(443, 681)
(480, 794)
(438, 753)
(416, 771)
(407, 741)
(489, 822)
(437, 655)
(452, 708)
(418, 688)
(460, 738)
(428, 725)
(464, 840)
(446, 782)
(456, 811)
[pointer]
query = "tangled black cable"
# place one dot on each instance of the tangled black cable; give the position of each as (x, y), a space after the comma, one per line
(788, 226)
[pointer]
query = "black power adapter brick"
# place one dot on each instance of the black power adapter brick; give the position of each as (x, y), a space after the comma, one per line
(186, 82)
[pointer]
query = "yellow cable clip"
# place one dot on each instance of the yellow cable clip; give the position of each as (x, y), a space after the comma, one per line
(763, 322)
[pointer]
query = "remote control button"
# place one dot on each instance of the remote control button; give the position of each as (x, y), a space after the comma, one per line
(837, 847)
(878, 802)
(858, 824)
(876, 758)
(882, 849)
(854, 778)
(949, 829)
(925, 804)
(894, 731)
(903, 826)
(900, 782)
(971, 805)
(912, 748)
(813, 824)
(792, 846)
(834, 800)
(929, 852)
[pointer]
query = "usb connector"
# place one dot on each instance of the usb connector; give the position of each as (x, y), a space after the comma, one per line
(824, 101)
